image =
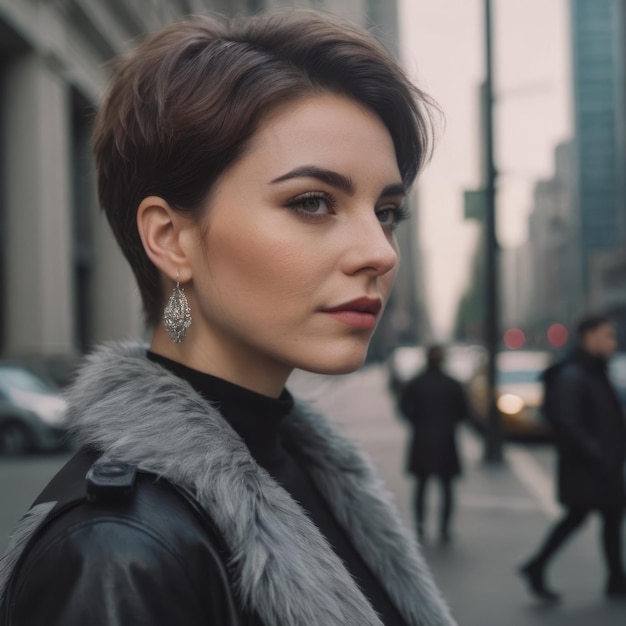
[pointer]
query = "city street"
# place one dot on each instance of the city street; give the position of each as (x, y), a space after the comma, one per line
(502, 513)
(252, 171)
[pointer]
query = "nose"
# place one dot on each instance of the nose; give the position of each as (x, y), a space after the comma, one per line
(372, 249)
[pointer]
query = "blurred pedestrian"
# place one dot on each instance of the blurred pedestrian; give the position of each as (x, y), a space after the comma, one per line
(253, 171)
(434, 404)
(590, 432)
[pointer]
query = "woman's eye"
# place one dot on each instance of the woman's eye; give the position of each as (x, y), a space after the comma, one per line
(313, 204)
(391, 216)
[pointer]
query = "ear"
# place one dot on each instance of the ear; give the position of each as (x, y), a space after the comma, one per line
(162, 231)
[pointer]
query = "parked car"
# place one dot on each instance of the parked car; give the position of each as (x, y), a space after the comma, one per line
(519, 393)
(32, 412)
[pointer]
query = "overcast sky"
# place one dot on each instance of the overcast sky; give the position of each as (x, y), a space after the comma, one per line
(442, 47)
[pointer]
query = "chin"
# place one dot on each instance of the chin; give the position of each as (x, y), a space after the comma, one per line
(335, 362)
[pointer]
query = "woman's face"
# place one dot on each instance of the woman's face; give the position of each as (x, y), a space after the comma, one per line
(297, 255)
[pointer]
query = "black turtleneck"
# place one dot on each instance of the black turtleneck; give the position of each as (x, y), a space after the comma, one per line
(257, 419)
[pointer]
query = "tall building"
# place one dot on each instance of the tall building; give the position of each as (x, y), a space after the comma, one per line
(598, 81)
(515, 285)
(600, 104)
(64, 285)
(554, 294)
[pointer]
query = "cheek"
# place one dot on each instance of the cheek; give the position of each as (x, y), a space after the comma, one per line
(261, 264)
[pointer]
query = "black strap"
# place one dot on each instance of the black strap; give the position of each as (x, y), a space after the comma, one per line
(69, 488)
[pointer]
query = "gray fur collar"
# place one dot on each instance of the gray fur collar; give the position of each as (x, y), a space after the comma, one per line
(131, 408)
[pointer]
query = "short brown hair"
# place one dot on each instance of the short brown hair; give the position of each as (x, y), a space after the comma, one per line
(184, 103)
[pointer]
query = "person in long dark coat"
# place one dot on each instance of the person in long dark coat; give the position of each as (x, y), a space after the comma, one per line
(590, 434)
(434, 404)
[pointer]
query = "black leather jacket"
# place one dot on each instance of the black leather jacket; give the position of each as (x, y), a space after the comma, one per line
(590, 433)
(168, 566)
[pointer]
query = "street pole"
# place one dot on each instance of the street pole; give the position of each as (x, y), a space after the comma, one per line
(493, 434)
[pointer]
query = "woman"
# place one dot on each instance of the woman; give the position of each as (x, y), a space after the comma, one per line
(253, 172)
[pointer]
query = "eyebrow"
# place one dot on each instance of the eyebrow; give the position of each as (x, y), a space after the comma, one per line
(395, 189)
(335, 179)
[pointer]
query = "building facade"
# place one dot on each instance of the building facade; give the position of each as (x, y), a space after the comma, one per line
(599, 117)
(64, 285)
(552, 252)
(599, 70)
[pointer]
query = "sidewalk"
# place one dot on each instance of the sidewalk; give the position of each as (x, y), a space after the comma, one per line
(502, 514)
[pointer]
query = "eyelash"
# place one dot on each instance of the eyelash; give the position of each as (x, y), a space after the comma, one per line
(400, 213)
(296, 203)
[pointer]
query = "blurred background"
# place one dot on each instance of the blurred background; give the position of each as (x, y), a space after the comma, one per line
(558, 105)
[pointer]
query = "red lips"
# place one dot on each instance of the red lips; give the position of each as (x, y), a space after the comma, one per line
(360, 313)
(363, 305)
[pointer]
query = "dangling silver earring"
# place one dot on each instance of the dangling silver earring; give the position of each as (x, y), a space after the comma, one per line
(177, 314)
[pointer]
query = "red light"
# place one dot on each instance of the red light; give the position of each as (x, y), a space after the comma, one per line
(557, 335)
(514, 338)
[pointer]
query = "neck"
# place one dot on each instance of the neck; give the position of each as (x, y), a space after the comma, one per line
(227, 360)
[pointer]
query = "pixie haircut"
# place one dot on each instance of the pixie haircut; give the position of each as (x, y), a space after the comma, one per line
(183, 105)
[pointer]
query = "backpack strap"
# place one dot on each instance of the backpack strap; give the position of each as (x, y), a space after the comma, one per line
(65, 491)
(67, 488)
(86, 477)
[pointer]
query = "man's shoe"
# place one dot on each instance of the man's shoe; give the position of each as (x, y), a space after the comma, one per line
(533, 574)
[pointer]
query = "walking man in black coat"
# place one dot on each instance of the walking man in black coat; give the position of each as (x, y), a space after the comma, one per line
(590, 434)
(434, 403)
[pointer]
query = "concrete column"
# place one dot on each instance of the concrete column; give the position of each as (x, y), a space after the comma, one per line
(39, 312)
(117, 304)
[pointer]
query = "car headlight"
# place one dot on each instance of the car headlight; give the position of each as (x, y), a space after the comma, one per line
(510, 404)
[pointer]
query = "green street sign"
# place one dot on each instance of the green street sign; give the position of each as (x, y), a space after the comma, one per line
(475, 202)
